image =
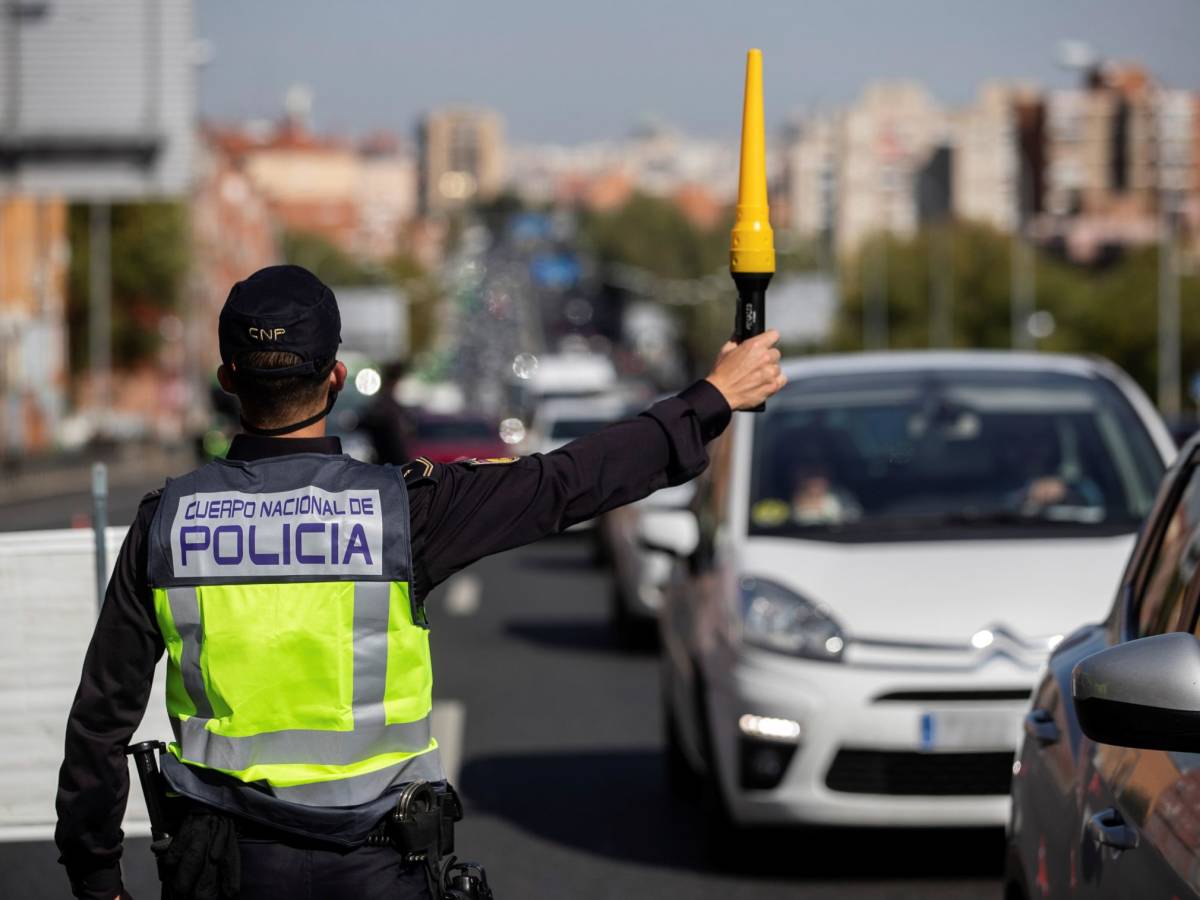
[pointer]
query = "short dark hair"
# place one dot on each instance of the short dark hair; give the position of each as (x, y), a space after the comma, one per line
(274, 402)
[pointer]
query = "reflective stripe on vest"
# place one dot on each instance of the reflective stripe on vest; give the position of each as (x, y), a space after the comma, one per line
(312, 685)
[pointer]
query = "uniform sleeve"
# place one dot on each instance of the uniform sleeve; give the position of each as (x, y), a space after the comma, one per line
(462, 512)
(118, 671)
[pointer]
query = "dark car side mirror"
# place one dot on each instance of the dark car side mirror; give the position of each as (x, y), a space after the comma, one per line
(1144, 693)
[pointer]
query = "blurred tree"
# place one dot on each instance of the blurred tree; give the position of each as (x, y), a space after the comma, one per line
(424, 296)
(652, 234)
(150, 256)
(1111, 312)
(328, 261)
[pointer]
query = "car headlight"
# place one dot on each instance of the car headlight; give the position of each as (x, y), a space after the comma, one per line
(778, 619)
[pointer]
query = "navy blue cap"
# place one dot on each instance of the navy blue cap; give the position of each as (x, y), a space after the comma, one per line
(285, 309)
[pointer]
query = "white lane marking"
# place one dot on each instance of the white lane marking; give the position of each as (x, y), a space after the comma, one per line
(448, 718)
(462, 595)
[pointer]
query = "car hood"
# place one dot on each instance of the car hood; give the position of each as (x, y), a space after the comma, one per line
(949, 590)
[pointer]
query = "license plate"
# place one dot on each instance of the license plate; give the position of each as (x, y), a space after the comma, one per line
(967, 729)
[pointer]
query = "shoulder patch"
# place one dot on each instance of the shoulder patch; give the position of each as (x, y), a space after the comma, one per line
(420, 469)
(491, 461)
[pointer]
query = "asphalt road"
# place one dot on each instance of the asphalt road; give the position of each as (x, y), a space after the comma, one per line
(561, 767)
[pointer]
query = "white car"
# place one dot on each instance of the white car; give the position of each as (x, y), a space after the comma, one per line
(875, 569)
(558, 422)
(639, 574)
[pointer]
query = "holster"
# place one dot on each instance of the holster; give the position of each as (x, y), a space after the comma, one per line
(421, 827)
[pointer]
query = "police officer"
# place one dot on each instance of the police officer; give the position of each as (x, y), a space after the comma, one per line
(286, 584)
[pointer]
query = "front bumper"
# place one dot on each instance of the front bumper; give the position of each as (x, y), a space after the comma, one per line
(839, 708)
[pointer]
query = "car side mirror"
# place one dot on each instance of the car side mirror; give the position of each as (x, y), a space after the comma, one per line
(1144, 693)
(673, 531)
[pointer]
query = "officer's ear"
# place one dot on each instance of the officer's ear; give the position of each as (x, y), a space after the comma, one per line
(337, 376)
(225, 379)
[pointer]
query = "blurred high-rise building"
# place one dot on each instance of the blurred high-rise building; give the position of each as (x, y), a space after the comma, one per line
(811, 176)
(988, 158)
(1102, 172)
(461, 158)
(888, 136)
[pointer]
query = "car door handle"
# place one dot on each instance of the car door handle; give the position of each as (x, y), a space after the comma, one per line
(1108, 827)
(1039, 725)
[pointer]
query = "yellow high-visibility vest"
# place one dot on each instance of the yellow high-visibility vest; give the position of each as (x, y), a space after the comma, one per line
(297, 658)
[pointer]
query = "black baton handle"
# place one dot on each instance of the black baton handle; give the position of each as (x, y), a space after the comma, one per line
(146, 763)
(751, 317)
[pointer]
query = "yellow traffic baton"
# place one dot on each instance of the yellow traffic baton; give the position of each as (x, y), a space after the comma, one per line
(752, 242)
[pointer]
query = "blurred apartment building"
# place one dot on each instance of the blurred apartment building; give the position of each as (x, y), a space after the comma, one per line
(1114, 148)
(461, 159)
(233, 233)
(885, 140)
(358, 196)
(34, 255)
(698, 175)
(1082, 170)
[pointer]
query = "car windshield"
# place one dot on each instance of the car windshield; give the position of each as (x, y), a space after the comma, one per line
(569, 429)
(456, 430)
(902, 455)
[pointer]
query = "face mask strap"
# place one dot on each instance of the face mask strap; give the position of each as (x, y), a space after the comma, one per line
(288, 429)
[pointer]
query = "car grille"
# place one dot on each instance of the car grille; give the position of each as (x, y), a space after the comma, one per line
(920, 774)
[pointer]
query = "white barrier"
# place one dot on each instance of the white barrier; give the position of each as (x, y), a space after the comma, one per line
(47, 612)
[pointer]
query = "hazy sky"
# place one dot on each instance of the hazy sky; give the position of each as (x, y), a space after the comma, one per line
(568, 71)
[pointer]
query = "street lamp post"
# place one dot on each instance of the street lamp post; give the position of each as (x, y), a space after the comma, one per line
(1172, 127)
(1023, 277)
(1169, 356)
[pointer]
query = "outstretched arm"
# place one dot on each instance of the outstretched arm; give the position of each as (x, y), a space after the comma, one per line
(462, 512)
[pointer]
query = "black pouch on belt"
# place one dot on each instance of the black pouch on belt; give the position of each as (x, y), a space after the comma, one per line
(203, 861)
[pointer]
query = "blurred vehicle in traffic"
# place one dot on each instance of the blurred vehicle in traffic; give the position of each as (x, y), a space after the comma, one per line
(565, 375)
(558, 422)
(876, 568)
(639, 573)
(1107, 782)
(447, 437)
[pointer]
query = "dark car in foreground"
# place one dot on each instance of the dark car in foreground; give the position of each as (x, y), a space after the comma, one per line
(1106, 793)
